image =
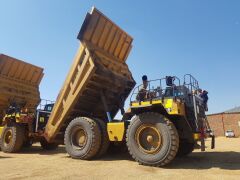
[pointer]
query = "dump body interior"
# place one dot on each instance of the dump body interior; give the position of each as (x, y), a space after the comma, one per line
(19, 84)
(98, 69)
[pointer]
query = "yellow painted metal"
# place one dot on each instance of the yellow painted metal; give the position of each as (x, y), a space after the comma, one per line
(148, 138)
(116, 131)
(1, 130)
(103, 35)
(19, 117)
(172, 107)
(196, 136)
(19, 82)
(168, 103)
(99, 65)
(178, 108)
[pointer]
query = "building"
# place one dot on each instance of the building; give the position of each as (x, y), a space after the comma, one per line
(228, 120)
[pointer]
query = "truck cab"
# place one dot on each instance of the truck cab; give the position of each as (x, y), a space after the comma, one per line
(180, 103)
(42, 115)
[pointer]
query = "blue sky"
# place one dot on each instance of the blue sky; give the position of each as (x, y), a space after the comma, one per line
(170, 38)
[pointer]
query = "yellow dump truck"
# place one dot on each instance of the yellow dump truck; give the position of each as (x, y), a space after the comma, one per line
(19, 99)
(165, 117)
(97, 86)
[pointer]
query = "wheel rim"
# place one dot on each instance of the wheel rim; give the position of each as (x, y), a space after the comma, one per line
(149, 139)
(78, 138)
(8, 137)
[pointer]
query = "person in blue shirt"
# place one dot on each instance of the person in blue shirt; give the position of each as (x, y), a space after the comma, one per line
(204, 96)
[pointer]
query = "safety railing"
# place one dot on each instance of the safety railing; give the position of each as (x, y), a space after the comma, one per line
(44, 102)
(156, 89)
(159, 89)
(191, 82)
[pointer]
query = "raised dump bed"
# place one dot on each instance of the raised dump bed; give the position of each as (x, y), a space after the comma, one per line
(19, 84)
(99, 74)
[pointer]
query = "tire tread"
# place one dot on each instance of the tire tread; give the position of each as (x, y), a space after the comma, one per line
(173, 148)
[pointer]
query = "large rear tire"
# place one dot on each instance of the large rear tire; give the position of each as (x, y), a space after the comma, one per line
(12, 138)
(152, 139)
(82, 138)
(104, 138)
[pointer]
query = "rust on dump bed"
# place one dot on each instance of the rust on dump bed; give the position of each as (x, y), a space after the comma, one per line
(98, 67)
(19, 83)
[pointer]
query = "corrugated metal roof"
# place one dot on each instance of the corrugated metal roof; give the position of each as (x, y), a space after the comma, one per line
(234, 110)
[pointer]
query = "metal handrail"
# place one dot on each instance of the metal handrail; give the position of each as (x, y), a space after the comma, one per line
(43, 103)
(154, 89)
(190, 82)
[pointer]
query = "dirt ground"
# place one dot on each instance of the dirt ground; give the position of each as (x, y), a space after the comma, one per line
(34, 163)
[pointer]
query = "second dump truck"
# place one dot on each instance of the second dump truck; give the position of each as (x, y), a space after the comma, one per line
(167, 122)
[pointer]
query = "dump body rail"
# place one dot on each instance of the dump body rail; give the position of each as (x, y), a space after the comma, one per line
(19, 84)
(98, 68)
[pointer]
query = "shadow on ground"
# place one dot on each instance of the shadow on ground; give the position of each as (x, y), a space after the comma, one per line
(228, 160)
(4, 157)
(40, 151)
(197, 160)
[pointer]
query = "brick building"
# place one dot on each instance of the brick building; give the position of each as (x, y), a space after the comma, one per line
(228, 120)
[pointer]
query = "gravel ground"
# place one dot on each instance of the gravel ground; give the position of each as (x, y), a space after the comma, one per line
(34, 163)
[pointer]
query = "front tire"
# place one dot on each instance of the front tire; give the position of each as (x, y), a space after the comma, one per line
(82, 138)
(12, 138)
(152, 139)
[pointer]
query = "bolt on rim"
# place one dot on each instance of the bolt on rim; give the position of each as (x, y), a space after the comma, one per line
(148, 138)
(79, 138)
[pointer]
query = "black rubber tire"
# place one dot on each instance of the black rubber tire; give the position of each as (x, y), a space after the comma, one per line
(17, 138)
(169, 136)
(93, 142)
(185, 148)
(48, 146)
(104, 138)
